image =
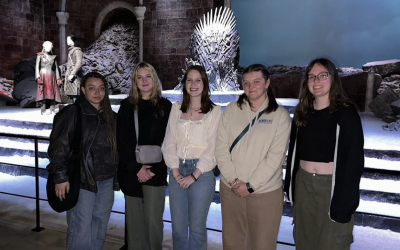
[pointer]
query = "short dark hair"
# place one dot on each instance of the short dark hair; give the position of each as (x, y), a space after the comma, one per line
(74, 39)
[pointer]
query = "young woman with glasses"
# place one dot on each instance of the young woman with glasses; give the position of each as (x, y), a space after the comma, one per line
(325, 161)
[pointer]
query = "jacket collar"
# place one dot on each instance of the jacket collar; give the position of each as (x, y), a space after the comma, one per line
(262, 107)
(87, 108)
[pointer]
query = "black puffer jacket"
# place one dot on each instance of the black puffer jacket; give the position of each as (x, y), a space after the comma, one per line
(126, 139)
(61, 137)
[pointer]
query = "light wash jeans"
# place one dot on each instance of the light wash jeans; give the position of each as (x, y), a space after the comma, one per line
(87, 221)
(189, 208)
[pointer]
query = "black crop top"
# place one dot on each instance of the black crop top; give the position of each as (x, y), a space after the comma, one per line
(316, 141)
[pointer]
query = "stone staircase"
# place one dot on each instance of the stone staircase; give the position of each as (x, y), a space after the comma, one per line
(380, 186)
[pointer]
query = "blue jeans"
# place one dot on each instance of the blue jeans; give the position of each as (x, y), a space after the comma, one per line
(189, 208)
(87, 221)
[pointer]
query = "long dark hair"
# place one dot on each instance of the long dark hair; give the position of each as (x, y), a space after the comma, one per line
(105, 106)
(337, 96)
(272, 103)
(206, 104)
(134, 94)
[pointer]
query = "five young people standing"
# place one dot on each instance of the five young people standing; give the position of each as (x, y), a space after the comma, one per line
(324, 167)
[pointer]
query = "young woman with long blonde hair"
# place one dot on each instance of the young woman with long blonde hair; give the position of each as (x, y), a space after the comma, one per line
(143, 184)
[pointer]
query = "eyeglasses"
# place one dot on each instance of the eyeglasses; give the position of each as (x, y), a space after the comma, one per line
(321, 77)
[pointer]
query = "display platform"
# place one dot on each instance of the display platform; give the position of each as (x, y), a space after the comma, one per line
(380, 185)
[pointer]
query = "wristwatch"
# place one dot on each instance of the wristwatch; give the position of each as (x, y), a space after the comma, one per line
(249, 188)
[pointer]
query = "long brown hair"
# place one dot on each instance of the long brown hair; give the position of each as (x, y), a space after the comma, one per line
(337, 96)
(109, 116)
(206, 104)
(272, 103)
(134, 94)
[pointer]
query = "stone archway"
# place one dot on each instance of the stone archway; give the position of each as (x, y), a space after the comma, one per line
(103, 13)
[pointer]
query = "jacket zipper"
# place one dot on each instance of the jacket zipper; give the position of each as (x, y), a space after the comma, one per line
(98, 124)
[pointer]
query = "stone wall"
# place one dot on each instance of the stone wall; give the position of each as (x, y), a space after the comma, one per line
(82, 22)
(24, 25)
(168, 25)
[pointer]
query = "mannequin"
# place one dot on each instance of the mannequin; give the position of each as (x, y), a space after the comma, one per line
(72, 75)
(48, 78)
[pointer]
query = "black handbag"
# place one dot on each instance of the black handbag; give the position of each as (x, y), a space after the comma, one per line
(73, 172)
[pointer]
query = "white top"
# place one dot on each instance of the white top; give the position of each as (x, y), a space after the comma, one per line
(187, 139)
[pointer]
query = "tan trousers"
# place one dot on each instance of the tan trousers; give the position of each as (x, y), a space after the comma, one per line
(251, 222)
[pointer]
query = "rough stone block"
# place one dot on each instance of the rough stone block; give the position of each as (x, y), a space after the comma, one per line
(391, 82)
(395, 107)
(380, 106)
(389, 118)
(383, 68)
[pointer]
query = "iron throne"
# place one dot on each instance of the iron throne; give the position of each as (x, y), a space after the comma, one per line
(214, 44)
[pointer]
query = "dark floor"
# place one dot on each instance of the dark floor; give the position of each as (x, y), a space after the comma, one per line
(17, 218)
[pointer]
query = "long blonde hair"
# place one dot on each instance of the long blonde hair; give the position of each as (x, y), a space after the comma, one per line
(134, 94)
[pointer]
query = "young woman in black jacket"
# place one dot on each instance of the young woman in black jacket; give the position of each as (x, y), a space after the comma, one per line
(143, 185)
(325, 161)
(87, 221)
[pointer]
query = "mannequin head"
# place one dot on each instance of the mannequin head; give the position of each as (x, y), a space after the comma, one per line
(47, 46)
(71, 40)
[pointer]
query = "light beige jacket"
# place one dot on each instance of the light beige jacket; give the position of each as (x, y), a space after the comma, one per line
(258, 156)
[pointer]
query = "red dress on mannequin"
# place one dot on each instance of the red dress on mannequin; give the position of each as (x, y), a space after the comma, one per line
(47, 70)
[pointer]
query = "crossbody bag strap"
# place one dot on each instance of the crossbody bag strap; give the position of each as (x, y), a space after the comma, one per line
(76, 141)
(136, 127)
(245, 130)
